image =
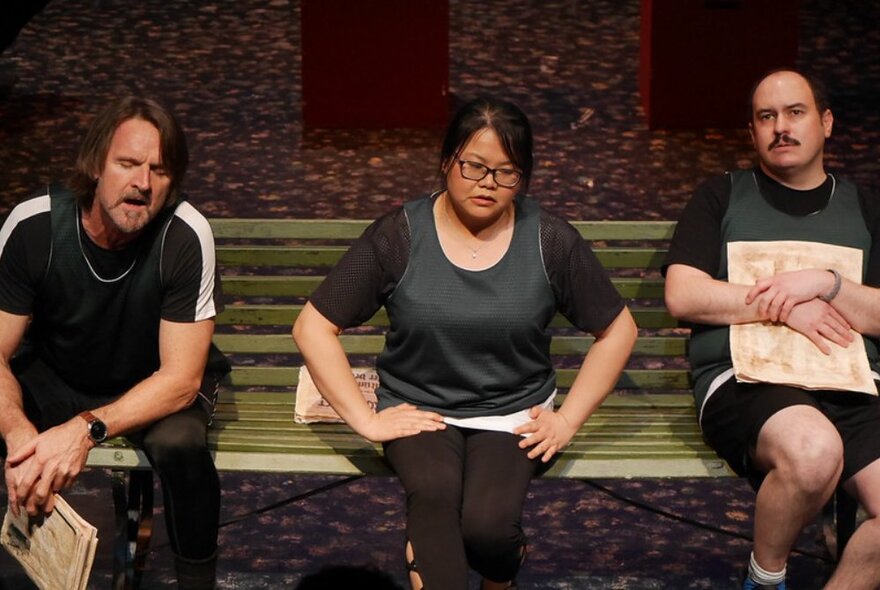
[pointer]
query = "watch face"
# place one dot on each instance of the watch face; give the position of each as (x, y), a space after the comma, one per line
(98, 431)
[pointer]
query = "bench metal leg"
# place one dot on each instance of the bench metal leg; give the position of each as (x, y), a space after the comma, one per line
(839, 522)
(134, 525)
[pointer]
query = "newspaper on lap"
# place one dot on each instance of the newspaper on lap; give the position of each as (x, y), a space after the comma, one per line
(56, 550)
(764, 352)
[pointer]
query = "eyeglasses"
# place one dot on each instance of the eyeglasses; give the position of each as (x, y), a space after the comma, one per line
(506, 177)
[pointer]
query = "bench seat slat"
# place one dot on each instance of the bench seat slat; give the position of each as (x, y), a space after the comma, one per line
(626, 402)
(335, 464)
(668, 379)
(263, 417)
(269, 418)
(349, 446)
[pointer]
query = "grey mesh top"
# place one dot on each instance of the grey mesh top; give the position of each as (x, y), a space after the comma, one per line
(468, 343)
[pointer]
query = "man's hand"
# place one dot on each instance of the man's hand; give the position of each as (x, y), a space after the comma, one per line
(400, 421)
(16, 440)
(549, 432)
(46, 464)
(777, 295)
(821, 323)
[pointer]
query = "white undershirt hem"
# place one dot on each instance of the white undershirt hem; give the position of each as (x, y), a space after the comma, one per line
(505, 423)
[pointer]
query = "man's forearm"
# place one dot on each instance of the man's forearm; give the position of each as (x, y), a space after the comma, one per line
(14, 424)
(13, 421)
(155, 397)
(183, 354)
(694, 296)
(860, 305)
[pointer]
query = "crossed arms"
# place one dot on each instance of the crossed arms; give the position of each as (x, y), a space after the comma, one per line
(791, 298)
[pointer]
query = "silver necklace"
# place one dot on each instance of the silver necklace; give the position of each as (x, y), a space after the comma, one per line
(462, 239)
(88, 262)
(817, 211)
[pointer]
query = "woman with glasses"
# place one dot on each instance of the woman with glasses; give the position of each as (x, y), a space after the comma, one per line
(470, 276)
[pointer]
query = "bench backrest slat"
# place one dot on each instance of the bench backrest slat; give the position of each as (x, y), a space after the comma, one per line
(348, 229)
(302, 286)
(285, 315)
(372, 344)
(325, 257)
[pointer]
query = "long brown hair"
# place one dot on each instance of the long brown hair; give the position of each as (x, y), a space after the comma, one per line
(93, 150)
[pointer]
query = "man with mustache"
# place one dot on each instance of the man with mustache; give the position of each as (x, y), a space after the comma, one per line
(108, 293)
(794, 444)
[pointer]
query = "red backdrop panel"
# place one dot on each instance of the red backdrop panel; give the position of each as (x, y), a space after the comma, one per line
(375, 63)
(699, 58)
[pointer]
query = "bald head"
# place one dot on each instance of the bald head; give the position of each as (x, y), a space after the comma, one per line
(817, 89)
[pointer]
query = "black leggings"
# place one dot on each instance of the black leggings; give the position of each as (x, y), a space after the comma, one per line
(175, 445)
(177, 450)
(464, 498)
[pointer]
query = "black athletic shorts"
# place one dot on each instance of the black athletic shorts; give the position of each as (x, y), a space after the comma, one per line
(735, 413)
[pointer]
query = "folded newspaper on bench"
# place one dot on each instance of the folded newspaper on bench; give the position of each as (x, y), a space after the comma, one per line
(56, 551)
(312, 407)
(764, 352)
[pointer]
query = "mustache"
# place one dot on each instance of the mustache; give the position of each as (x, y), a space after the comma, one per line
(783, 138)
(135, 195)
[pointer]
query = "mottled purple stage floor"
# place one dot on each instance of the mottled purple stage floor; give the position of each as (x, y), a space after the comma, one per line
(580, 536)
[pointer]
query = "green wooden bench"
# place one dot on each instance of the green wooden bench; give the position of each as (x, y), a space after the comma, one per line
(646, 428)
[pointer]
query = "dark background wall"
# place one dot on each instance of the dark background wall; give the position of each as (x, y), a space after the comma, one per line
(232, 70)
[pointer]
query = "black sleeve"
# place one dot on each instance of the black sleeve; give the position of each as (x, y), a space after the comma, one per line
(584, 293)
(871, 212)
(367, 274)
(697, 238)
(25, 245)
(189, 268)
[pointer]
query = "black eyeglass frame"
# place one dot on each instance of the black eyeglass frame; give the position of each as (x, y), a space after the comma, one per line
(487, 171)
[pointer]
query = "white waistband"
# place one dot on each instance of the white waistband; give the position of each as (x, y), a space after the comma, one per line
(505, 423)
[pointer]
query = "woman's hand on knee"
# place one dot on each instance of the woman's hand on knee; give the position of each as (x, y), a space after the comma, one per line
(547, 433)
(400, 421)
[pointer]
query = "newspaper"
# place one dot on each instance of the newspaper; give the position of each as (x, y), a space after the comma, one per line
(774, 353)
(56, 551)
(311, 405)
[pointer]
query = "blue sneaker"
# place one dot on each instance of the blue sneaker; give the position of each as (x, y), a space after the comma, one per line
(750, 584)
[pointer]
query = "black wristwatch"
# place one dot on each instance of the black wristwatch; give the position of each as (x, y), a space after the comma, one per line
(97, 429)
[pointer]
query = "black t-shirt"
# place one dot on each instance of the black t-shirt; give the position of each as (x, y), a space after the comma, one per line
(188, 263)
(95, 312)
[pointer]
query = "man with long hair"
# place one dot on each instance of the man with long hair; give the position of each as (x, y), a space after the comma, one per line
(108, 293)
